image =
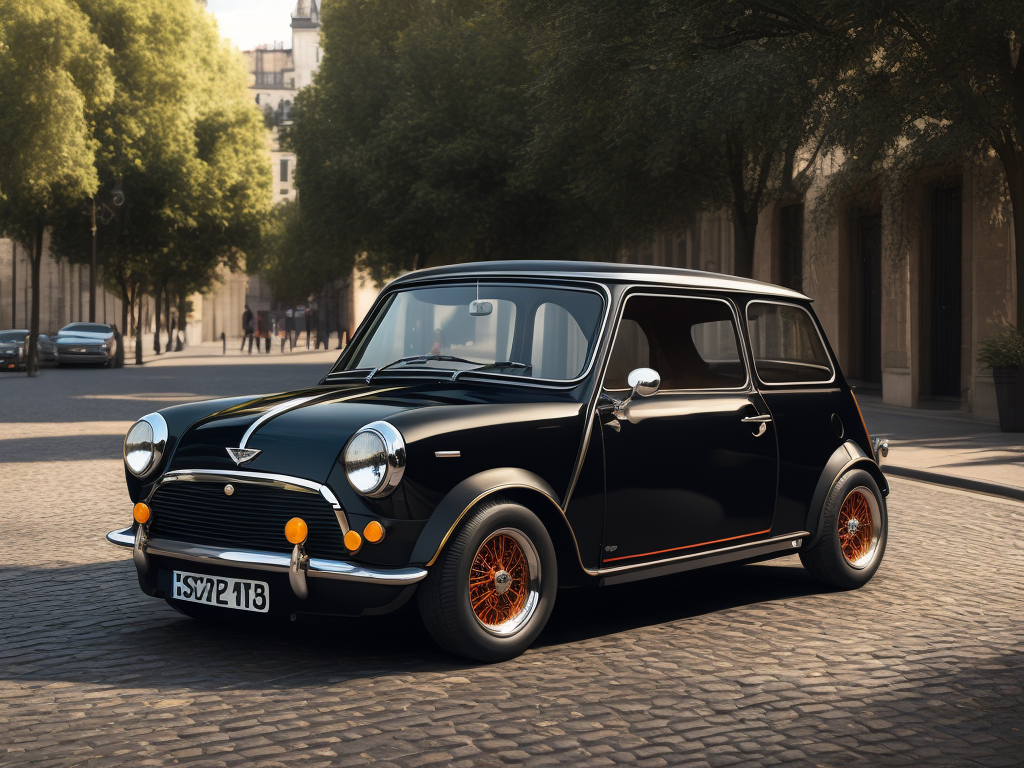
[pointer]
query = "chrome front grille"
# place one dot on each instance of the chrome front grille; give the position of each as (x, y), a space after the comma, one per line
(252, 517)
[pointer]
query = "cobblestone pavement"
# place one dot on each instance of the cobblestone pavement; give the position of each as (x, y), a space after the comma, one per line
(749, 666)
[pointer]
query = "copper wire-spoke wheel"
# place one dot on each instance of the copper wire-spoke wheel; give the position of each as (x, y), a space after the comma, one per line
(858, 524)
(503, 581)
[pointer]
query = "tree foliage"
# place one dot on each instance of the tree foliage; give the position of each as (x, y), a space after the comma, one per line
(912, 83)
(183, 142)
(410, 138)
(54, 80)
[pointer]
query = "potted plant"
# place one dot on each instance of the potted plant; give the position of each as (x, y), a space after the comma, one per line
(1004, 353)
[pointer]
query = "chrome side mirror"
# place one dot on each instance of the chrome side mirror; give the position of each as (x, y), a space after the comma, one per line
(644, 382)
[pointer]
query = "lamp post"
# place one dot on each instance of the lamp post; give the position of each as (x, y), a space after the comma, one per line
(92, 267)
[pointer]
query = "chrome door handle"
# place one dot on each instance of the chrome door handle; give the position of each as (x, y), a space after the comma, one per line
(761, 421)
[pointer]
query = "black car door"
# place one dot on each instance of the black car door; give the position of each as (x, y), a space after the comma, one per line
(694, 466)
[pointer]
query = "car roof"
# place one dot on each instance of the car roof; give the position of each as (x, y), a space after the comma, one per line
(603, 272)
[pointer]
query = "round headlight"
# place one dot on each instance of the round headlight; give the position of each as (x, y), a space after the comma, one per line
(375, 459)
(144, 444)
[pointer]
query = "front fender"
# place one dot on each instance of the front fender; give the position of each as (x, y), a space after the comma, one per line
(845, 457)
(463, 497)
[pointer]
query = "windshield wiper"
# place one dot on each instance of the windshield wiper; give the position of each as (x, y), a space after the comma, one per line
(502, 364)
(420, 359)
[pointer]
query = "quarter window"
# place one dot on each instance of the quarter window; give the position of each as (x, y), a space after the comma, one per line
(691, 343)
(786, 344)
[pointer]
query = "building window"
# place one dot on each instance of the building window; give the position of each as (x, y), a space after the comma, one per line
(284, 170)
(284, 191)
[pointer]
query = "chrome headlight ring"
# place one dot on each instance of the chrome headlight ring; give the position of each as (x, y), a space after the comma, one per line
(374, 459)
(145, 443)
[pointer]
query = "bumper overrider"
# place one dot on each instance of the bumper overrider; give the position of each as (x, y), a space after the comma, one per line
(338, 586)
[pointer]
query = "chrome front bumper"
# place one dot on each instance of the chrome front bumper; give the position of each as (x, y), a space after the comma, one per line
(262, 561)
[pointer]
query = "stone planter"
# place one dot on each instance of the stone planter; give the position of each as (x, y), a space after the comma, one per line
(1010, 398)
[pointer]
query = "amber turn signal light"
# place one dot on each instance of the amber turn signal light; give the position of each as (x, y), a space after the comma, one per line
(141, 513)
(373, 532)
(296, 530)
(353, 541)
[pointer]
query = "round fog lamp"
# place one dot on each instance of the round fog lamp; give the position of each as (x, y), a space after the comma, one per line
(353, 541)
(141, 513)
(296, 530)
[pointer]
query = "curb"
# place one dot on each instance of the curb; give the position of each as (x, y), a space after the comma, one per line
(980, 486)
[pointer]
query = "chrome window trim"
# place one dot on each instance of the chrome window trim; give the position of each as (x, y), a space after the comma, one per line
(508, 280)
(278, 562)
(737, 327)
(285, 482)
(824, 345)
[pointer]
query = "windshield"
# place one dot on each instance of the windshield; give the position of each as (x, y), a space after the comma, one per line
(13, 336)
(516, 330)
(85, 328)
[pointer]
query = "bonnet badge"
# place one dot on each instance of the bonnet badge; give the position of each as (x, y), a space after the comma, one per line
(243, 455)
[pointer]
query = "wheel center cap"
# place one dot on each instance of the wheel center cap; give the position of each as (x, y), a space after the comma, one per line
(852, 526)
(502, 581)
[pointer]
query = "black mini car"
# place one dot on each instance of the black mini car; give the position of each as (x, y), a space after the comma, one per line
(497, 431)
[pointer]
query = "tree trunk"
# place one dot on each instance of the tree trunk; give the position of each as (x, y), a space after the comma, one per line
(138, 325)
(125, 303)
(1013, 167)
(182, 318)
(743, 243)
(157, 306)
(32, 355)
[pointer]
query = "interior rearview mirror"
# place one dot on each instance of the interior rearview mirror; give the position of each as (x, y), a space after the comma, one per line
(480, 308)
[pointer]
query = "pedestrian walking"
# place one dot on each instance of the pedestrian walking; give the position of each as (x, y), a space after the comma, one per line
(247, 328)
(310, 323)
(289, 328)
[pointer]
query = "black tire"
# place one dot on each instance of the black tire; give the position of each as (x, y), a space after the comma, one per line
(826, 560)
(444, 596)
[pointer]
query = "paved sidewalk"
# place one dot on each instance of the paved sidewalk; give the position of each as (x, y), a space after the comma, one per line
(948, 447)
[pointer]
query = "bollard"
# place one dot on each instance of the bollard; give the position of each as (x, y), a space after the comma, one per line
(223, 343)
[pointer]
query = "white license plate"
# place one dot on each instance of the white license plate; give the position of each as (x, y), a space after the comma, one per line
(241, 594)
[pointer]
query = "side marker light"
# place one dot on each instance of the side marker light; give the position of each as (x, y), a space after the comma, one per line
(373, 532)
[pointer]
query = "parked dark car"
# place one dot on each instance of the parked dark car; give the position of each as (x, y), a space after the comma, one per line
(14, 349)
(497, 431)
(86, 343)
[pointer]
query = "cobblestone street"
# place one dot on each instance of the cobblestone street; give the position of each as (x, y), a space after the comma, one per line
(748, 666)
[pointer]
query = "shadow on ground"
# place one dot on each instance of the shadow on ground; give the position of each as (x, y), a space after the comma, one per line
(84, 622)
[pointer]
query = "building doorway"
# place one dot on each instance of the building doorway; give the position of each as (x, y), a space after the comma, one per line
(866, 299)
(791, 247)
(945, 293)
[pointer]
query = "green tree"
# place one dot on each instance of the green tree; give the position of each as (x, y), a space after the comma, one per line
(656, 119)
(914, 82)
(53, 80)
(186, 145)
(409, 140)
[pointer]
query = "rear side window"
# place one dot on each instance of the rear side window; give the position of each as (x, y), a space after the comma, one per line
(787, 346)
(691, 343)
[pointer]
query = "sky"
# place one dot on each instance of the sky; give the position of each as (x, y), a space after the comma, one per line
(248, 23)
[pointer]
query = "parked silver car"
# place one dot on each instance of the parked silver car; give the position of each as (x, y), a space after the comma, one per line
(14, 349)
(87, 343)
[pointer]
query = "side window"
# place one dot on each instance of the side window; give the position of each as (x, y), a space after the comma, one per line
(559, 346)
(787, 347)
(691, 343)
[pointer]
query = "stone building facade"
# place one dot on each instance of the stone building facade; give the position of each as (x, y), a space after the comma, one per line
(907, 282)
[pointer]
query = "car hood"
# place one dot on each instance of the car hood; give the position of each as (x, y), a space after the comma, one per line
(83, 338)
(302, 433)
